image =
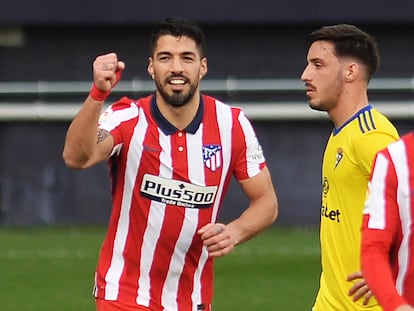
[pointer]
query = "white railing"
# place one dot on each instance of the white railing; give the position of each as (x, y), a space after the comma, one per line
(38, 108)
(255, 111)
(213, 85)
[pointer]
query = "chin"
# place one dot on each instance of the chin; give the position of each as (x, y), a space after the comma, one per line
(316, 106)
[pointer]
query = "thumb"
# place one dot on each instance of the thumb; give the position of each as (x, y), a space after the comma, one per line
(203, 229)
(120, 66)
(118, 72)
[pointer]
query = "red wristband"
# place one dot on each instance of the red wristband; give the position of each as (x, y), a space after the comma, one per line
(97, 94)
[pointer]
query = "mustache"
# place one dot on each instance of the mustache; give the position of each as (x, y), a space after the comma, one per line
(309, 87)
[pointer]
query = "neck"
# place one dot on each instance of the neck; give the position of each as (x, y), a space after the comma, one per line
(347, 106)
(182, 116)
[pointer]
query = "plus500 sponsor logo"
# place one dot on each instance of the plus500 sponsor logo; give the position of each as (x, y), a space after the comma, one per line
(177, 192)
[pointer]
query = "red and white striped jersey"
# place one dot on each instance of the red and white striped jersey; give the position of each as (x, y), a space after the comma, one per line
(166, 184)
(388, 226)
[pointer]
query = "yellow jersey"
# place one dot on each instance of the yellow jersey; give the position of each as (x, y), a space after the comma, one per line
(346, 170)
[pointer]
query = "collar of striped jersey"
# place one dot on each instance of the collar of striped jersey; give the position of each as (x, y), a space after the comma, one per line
(167, 128)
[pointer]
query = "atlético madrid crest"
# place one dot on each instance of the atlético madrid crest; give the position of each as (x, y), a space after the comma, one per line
(212, 156)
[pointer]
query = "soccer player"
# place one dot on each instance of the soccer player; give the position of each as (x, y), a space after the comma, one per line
(171, 157)
(340, 62)
(388, 227)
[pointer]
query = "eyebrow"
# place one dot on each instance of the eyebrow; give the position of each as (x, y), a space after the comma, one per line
(317, 59)
(169, 53)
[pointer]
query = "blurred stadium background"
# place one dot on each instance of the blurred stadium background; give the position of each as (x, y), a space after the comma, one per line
(256, 52)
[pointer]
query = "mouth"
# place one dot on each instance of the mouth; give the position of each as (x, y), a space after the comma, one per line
(177, 81)
(309, 89)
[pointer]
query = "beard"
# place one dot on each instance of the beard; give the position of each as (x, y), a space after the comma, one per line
(318, 106)
(178, 98)
(328, 96)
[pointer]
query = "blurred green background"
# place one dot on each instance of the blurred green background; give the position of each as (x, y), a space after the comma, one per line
(52, 269)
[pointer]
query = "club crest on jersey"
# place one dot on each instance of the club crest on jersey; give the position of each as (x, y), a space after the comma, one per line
(339, 156)
(212, 157)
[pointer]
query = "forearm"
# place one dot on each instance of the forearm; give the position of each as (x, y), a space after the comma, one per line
(259, 215)
(81, 146)
(82, 135)
(221, 239)
(262, 209)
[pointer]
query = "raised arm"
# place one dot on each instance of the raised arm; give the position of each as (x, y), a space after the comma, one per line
(85, 144)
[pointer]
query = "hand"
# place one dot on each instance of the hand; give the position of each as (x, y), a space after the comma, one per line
(107, 71)
(360, 288)
(217, 238)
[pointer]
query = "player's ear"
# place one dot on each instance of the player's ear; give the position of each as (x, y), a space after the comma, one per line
(352, 71)
(203, 68)
(150, 68)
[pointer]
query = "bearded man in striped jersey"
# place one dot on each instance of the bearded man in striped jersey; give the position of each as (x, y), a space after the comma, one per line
(171, 157)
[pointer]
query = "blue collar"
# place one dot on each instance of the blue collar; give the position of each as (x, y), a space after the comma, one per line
(366, 108)
(167, 128)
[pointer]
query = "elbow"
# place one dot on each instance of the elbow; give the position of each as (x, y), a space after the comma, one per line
(73, 162)
(275, 212)
(270, 215)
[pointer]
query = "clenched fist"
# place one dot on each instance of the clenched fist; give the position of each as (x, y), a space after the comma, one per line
(107, 71)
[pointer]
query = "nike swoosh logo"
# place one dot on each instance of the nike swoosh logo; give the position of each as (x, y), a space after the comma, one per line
(151, 149)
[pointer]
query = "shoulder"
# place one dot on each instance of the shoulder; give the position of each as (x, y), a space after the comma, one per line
(219, 106)
(371, 125)
(127, 103)
(124, 109)
(408, 138)
(403, 145)
(371, 121)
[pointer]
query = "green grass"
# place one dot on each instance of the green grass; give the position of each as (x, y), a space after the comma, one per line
(278, 270)
(52, 269)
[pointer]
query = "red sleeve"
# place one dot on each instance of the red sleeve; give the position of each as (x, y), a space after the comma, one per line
(376, 267)
(247, 153)
(380, 230)
(119, 112)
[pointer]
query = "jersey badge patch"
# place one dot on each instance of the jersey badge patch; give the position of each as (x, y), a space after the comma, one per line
(212, 157)
(339, 156)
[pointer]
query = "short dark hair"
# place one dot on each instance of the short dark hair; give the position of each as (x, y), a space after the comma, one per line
(351, 41)
(177, 27)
